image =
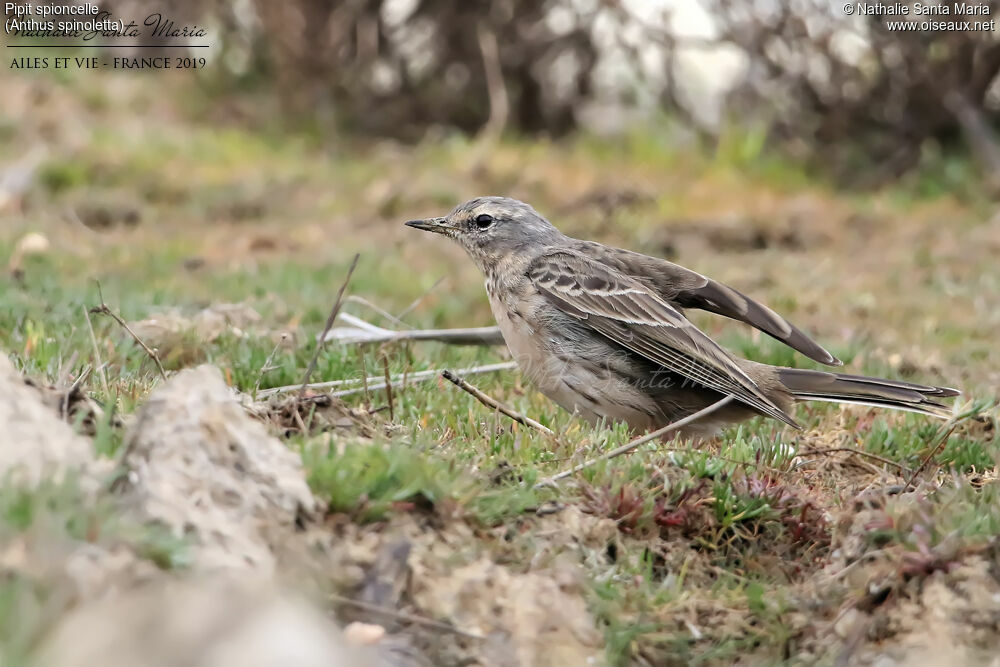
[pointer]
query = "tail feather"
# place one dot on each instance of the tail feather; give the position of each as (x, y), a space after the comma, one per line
(810, 385)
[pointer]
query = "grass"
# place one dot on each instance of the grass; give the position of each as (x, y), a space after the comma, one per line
(717, 552)
(43, 524)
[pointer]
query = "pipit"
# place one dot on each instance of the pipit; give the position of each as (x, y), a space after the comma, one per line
(601, 331)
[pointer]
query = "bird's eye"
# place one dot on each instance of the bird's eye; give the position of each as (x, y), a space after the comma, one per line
(484, 220)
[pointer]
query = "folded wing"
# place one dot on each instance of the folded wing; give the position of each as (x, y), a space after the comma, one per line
(629, 313)
(689, 289)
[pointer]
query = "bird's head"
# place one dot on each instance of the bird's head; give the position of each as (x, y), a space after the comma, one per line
(492, 229)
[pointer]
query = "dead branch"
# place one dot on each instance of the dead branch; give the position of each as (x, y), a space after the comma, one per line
(859, 452)
(329, 324)
(66, 368)
(401, 380)
(403, 616)
(97, 353)
(978, 133)
(267, 363)
(352, 298)
(104, 310)
(388, 387)
(64, 404)
(494, 404)
(624, 449)
(495, 86)
(967, 412)
(420, 299)
(943, 440)
(361, 331)
(364, 374)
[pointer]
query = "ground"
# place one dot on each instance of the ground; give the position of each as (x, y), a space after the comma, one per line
(867, 537)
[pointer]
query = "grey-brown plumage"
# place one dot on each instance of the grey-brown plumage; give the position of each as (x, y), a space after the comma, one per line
(602, 332)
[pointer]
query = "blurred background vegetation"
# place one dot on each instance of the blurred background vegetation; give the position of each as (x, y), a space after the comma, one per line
(842, 172)
(844, 95)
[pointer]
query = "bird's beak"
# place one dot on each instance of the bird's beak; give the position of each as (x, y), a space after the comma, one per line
(436, 225)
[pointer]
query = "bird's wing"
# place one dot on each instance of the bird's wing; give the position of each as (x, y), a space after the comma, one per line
(627, 312)
(689, 289)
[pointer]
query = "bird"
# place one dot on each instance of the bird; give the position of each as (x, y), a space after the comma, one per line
(602, 331)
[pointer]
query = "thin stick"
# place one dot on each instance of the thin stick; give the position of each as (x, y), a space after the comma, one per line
(364, 375)
(97, 354)
(366, 332)
(65, 368)
(713, 456)
(388, 387)
(104, 310)
(418, 376)
(351, 298)
(267, 363)
(329, 324)
(494, 404)
(624, 449)
(496, 89)
(859, 452)
(416, 302)
(298, 418)
(396, 385)
(64, 404)
(403, 616)
(934, 452)
(867, 558)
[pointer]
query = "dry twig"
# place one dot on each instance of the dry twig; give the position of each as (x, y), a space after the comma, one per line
(946, 430)
(364, 374)
(934, 452)
(403, 616)
(416, 302)
(859, 452)
(353, 298)
(267, 363)
(388, 386)
(361, 331)
(64, 404)
(104, 310)
(97, 353)
(398, 381)
(494, 404)
(496, 89)
(624, 449)
(66, 368)
(329, 324)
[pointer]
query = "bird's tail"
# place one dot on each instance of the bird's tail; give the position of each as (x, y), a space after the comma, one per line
(810, 385)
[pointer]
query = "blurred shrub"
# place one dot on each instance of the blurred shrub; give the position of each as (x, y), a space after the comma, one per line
(397, 67)
(855, 95)
(843, 91)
